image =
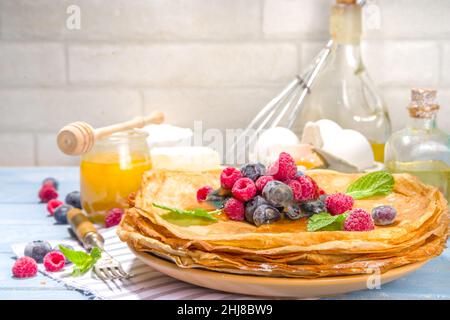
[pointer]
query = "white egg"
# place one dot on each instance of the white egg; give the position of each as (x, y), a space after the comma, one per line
(273, 137)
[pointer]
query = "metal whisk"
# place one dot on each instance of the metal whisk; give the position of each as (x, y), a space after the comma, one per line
(284, 108)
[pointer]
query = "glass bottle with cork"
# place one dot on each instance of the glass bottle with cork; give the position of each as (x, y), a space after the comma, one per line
(343, 91)
(421, 149)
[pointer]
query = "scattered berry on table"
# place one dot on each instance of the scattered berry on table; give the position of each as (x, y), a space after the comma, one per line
(60, 213)
(358, 220)
(51, 181)
(278, 194)
(203, 193)
(265, 214)
(229, 176)
(295, 212)
(262, 181)
(234, 209)
(65, 246)
(308, 188)
(24, 267)
(251, 206)
(37, 250)
(338, 203)
(284, 168)
(296, 188)
(314, 206)
(383, 215)
(47, 193)
(113, 217)
(54, 261)
(244, 189)
(52, 205)
(253, 171)
(74, 199)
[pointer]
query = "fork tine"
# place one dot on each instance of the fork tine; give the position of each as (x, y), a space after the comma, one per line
(114, 272)
(99, 272)
(123, 272)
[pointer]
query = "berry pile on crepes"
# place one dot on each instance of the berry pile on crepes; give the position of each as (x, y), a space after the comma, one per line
(279, 221)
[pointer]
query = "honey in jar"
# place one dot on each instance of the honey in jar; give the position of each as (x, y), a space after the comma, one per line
(111, 171)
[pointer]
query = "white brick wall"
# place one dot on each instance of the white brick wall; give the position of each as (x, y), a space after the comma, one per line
(212, 60)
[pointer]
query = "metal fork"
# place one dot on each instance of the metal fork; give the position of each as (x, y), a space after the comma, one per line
(106, 268)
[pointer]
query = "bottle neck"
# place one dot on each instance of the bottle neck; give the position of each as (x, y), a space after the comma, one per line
(345, 24)
(423, 123)
(348, 54)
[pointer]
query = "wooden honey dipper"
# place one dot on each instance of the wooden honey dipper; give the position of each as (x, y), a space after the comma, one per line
(79, 137)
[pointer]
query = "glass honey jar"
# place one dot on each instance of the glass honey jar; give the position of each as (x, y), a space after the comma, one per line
(112, 170)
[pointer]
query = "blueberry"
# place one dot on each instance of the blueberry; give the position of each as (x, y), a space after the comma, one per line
(265, 214)
(278, 194)
(383, 215)
(37, 250)
(74, 199)
(323, 197)
(65, 246)
(217, 198)
(314, 206)
(295, 212)
(299, 173)
(253, 171)
(251, 206)
(60, 213)
(52, 181)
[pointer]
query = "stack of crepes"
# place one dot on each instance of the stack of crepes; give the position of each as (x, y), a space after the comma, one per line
(285, 248)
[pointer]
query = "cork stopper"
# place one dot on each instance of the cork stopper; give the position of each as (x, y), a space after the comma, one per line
(345, 1)
(346, 22)
(423, 103)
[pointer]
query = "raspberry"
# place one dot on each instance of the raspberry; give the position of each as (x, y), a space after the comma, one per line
(321, 192)
(296, 188)
(113, 218)
(52, 205)
(234, 209)
(338, 203)
(54, 261)
(229, 176)
(24, 267)
(284, 168)
(262, 181)
(308, 188)
(358, 220)
(316, 187)
(47, 193)
(203, 192)
(244, 189)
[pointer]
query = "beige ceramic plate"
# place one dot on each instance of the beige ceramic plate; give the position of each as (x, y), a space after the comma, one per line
(270, 286)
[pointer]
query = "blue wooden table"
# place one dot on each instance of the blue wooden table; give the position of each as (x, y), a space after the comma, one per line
(23, 219)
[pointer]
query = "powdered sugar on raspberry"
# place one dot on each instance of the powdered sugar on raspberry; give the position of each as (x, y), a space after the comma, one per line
(244, 189)
(308, 188)
(24, 267)
(54, 261)
(359, 220)
(296, 188)
(339, 203)
(234, 209)
(284, 168)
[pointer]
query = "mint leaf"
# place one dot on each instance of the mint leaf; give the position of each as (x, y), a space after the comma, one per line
(83, 261)
(326, 222)
(372, 184)
(196, 213)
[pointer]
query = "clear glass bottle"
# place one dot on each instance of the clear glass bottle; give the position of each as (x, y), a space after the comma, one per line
(343, 91)
(421, 149)
(112, 170)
